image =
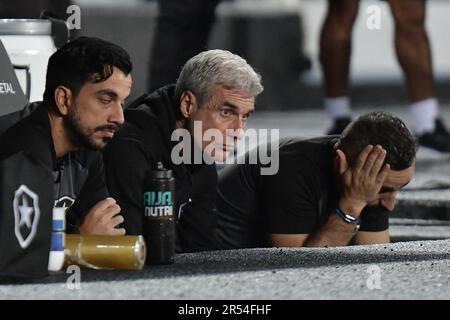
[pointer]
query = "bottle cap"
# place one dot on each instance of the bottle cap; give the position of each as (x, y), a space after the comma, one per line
(59, 213)
(160, 172)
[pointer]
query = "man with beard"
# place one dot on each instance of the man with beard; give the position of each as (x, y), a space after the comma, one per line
(328, 191)
(87, 82)
(215, 93)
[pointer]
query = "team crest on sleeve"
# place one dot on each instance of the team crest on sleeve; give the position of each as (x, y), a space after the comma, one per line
(26, 215)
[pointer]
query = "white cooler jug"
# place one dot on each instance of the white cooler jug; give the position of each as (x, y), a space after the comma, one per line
(29, 45)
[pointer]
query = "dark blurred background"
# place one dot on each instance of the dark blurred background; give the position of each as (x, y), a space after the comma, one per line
(280, 38)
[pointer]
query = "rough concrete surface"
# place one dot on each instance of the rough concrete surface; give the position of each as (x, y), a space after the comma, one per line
(409, 270)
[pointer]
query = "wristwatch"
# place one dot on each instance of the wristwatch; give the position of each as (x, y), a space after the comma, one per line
(348, 218)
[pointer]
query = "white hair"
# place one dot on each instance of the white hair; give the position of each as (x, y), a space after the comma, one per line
(217, 67)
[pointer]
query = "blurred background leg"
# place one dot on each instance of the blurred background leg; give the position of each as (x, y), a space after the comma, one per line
(335, 53)
(414, 55)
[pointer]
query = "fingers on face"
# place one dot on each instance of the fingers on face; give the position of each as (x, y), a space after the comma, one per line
(375, 164)
(362, 159)
(383, 174)
(370, 160)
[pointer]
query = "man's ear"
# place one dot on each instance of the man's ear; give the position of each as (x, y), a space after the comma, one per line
(63, 99)
(341, 163)
(188, 104)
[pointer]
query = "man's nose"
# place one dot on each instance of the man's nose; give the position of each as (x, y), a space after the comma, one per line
(236, 128)
(239, 123)
(117, 114)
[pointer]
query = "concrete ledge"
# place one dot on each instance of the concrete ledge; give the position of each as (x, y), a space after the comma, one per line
(409, 270)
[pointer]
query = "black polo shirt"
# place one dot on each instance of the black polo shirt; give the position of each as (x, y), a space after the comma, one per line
(296, 200)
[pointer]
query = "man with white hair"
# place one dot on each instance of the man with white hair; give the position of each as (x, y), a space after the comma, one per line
(215, 91)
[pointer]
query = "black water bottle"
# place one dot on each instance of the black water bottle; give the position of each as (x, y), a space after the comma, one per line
(159, 219)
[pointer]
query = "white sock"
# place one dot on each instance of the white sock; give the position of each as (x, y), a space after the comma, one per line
(338, 107)
(424, 113)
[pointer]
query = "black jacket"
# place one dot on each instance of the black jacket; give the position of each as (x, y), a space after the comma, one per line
(144, 140)
(76, 181)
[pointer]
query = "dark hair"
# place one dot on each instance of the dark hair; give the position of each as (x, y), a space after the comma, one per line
(83, 60)
(385, 130)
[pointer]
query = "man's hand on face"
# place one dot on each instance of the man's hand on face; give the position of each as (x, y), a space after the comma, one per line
(361, 183)
(102, 219)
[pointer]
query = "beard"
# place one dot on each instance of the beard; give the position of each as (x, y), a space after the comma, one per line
(84, 137)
